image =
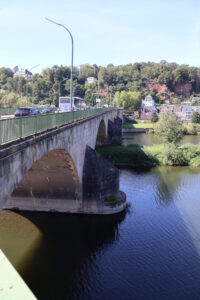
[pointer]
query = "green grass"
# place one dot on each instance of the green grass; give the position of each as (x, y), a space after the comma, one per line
(139, 124)
(132, 156)
(147, 125)
(146, 157)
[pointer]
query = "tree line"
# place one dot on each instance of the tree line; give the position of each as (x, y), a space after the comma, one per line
(127, 84)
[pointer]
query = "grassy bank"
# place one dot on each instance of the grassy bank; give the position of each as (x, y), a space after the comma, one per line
(138, 124)
(132, 156)
(145, 157)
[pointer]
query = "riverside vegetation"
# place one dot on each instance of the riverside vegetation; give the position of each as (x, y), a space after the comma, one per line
(170, 152)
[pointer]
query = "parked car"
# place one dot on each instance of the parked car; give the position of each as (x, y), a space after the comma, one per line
(47, 110)
(26, 111)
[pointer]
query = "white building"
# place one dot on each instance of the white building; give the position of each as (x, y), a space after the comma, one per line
(148, 101)
(91, 80)
(186, 112)
(22, 73)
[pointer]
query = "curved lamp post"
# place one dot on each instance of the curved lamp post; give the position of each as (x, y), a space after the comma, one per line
(71, 80)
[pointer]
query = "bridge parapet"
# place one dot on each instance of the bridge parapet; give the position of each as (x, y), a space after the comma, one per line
(17, 128)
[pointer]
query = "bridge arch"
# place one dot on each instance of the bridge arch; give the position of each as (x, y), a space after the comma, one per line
(52, 177)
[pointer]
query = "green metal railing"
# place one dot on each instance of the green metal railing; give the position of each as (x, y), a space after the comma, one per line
(16, 128)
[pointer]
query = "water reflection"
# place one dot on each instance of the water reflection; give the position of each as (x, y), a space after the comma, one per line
(153, 253)
(148, 139)
(61, 265)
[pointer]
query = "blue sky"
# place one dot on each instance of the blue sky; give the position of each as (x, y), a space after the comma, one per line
(106, 31)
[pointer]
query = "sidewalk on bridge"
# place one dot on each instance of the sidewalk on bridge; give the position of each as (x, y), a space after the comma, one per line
(12, 286)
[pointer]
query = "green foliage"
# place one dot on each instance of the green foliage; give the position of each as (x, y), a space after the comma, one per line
(191, 129)
(128, 100)
(131, 156)
(175, 101)
(138, 157)
(9, 100)
(173, 156)
(154, 117)
(181, 74)
(195, 117)
(170, 128)
(138, 79)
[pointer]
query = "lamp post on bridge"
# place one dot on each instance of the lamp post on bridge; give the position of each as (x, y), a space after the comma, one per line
(72, 57)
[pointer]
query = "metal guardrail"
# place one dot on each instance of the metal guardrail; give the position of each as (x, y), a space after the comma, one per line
(16, 128)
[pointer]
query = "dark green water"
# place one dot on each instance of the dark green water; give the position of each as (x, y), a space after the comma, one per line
(149, 139)
(152, 252)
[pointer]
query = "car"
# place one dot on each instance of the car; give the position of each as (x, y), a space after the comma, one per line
(47, 110)
(26, 111)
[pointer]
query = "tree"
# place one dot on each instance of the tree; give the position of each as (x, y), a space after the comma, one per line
(128, 100)
(195, 117)
(170, 128)
(154, 117)
(182, 74)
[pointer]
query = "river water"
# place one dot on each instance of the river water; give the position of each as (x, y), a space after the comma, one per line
(150, 252)
(149, 139)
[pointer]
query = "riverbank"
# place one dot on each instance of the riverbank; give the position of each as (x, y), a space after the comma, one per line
(146, 157)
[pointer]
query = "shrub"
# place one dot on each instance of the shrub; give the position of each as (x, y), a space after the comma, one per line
(154, 117)
(191, 129)
(195, 117)
(170, 128)
(173, 156)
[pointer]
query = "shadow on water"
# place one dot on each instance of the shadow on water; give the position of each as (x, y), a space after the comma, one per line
(60, 264)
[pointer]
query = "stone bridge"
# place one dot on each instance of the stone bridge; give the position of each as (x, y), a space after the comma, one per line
(59, 170)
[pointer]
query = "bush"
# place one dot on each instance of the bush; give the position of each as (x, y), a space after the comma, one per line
(191, 129)
(170, 128)
(154, 117)
(173, 156)
(195, 117)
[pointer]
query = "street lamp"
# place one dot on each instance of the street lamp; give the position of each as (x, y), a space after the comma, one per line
(27, 82)
(71, 80)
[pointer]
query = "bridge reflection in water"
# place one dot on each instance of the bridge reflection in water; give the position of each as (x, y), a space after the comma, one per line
(60, 250)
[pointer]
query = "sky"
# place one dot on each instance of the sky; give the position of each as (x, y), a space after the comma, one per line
(106, 31)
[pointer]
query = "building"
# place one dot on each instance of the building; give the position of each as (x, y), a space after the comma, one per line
(91, 80)
(186, 112)
(148, 101)
(22, 73)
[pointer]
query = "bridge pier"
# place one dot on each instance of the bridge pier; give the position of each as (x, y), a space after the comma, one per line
(115, 130)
